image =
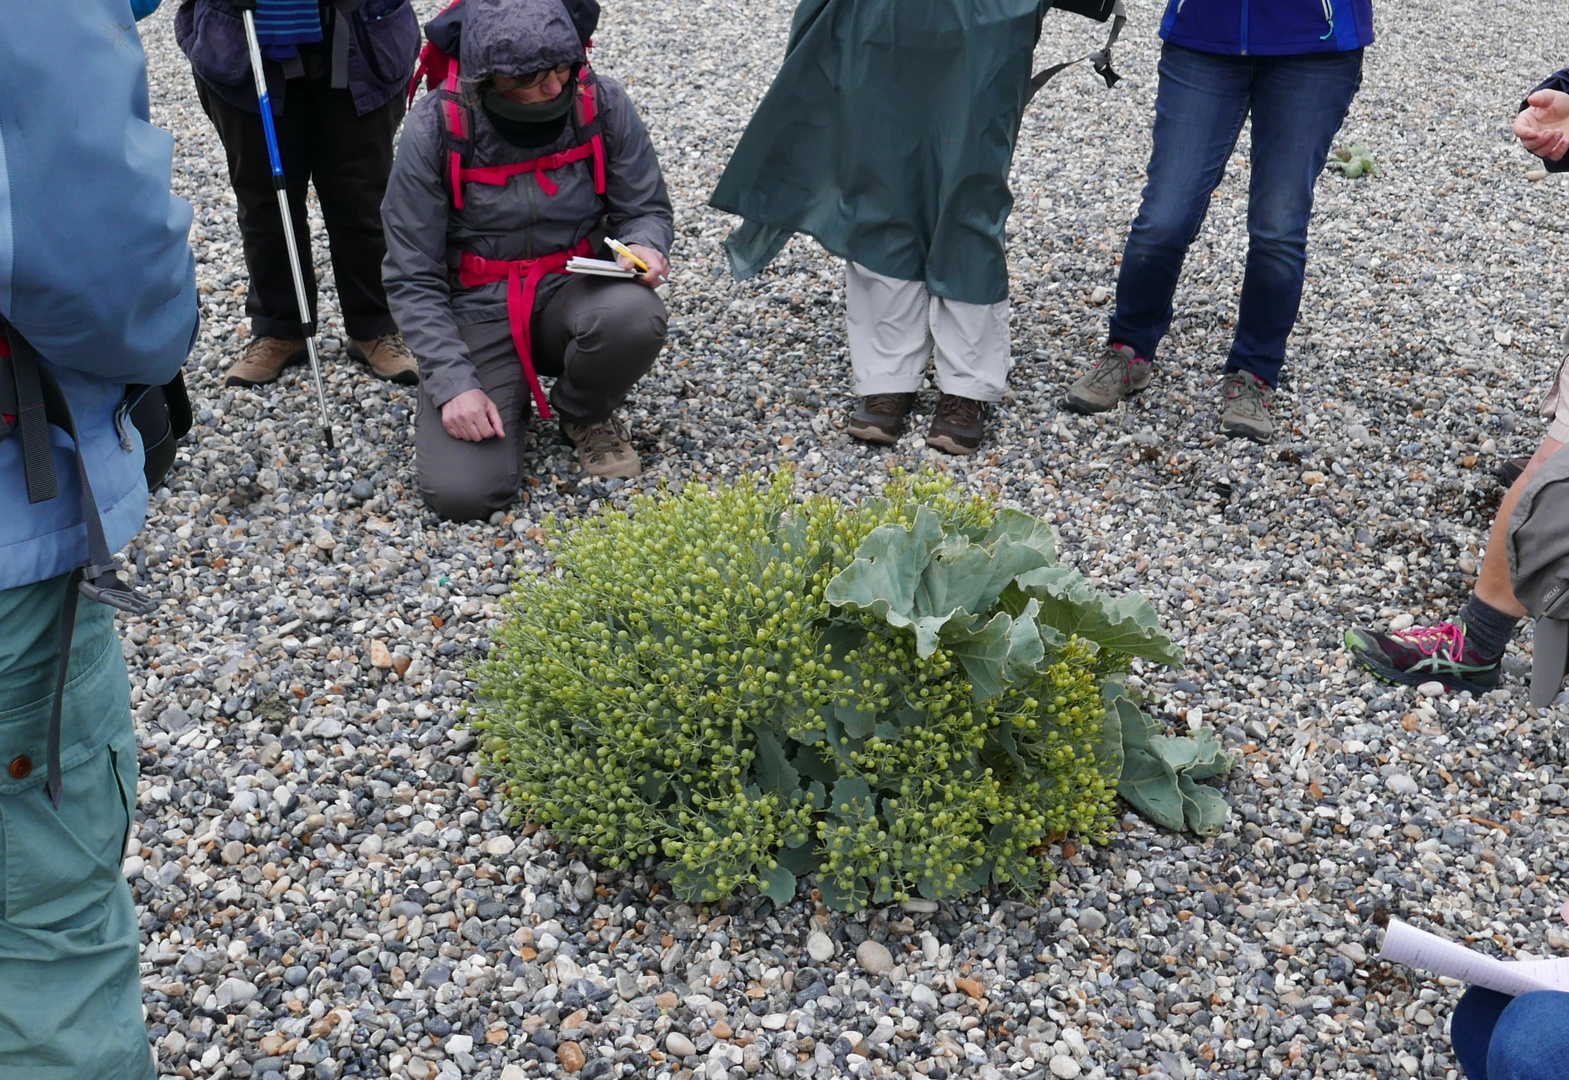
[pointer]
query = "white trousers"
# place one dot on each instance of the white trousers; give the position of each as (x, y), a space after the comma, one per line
(895, 325)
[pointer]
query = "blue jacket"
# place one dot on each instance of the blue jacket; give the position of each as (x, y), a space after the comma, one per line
(95, 268)
(1268, 27)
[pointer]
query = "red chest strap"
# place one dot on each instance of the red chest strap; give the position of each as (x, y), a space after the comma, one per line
(498, 175)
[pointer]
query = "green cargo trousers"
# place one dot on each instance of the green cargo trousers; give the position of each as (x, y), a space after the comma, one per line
(70, 992)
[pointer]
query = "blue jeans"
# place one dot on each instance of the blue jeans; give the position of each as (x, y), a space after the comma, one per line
(1497, 1037)
(1297, 103)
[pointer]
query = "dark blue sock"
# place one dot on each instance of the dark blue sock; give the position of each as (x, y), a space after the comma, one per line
(1487, 628)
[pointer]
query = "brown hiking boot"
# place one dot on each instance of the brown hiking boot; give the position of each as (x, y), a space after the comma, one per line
(604, 448)
(264, 360)
(1246, 398)
(1117, 375)
(880, 417)
(388, 358)
(958, 425)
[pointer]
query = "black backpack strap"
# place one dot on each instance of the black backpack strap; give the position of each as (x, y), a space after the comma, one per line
(31, 424)
(1100, 59)
(39, 395)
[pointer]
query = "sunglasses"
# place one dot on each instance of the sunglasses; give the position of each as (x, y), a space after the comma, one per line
(531, 79)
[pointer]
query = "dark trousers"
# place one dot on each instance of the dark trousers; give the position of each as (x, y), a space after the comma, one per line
(1203, 99)
(1497, 1037)
(598, 337)
(322, 141)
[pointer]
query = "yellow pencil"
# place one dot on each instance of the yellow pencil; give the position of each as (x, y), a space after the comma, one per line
(621, 249)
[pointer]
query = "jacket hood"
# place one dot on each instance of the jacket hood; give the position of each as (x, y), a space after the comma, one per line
(511, 37)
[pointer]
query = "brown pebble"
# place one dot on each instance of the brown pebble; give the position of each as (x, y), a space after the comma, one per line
(571, 1056)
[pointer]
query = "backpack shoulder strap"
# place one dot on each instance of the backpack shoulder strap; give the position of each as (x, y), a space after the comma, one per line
(457, 128)
(591, 125)
(23, 410)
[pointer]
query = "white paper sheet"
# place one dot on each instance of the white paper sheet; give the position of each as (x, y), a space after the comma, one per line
(1404, 944)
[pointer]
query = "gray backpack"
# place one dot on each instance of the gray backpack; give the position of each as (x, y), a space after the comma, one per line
(1538, 543)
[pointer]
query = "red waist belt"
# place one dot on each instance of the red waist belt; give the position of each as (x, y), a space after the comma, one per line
(522, 277)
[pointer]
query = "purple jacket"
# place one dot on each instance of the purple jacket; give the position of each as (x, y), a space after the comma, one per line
(373, 45)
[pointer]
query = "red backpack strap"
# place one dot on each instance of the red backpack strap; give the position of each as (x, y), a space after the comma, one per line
(458, 129)
(591, 125)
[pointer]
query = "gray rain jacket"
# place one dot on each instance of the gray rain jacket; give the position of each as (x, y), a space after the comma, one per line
(426, 235)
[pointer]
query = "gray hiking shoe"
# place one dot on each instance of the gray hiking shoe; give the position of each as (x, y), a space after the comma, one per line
(604, 448)
(1247, 403)
(1118, 374)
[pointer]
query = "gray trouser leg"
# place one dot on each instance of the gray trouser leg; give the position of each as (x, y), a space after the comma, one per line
(469, 481)
(895, 325)
(599, 336)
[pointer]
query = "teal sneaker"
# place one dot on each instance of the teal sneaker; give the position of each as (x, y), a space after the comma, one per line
(1425, 654)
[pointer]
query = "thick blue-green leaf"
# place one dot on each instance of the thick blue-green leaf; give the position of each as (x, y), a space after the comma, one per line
(843, 895)
(970, 577)
(1023, 529)
(1204, 808)
(1150, 785)
(857, 723)
(771, 766)
(1124, 624)
(852, 798)
(887, 568)
(1003, 651)
(800, 860)
(1121, 712)
(777, 884)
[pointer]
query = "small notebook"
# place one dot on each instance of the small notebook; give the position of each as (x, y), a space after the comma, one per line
(601, 267)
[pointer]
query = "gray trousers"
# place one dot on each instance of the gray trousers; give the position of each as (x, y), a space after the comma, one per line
(896, 326)
(596, 336)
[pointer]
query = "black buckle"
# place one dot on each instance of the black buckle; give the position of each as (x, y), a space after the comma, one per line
(104, 585)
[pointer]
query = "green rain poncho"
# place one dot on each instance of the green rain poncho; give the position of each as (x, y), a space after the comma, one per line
(887, 135)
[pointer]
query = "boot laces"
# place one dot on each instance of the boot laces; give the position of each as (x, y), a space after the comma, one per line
(885, 404)
(958, 411)
(1428, 640)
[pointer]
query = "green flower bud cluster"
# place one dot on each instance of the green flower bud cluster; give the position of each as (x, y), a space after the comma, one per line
(677, 687)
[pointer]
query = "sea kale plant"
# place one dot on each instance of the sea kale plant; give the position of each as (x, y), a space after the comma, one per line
(909, 696)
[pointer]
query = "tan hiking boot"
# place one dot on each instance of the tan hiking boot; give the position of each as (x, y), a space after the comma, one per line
(1117, 375)
(389, 358)
(264, 360)
(1246, 401)
(604, 448)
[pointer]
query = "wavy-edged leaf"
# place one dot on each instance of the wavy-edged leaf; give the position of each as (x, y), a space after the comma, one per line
(1021, 528)
(887, 568)
(1124, 624)
(777, 884)
(1204, 808)
(1003, 651)
(1150, 786)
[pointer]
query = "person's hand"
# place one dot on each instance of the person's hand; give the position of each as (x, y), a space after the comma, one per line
(1543, 128)
(472, 417)
(658, 266)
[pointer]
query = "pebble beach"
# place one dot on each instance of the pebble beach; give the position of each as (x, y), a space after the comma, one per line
(328, 886)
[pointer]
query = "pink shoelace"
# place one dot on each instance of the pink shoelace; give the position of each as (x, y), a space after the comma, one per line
(1427, 640)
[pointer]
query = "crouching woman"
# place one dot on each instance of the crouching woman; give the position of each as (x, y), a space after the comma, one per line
(521, 160)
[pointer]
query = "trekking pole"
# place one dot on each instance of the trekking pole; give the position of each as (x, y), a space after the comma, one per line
(288, 221)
